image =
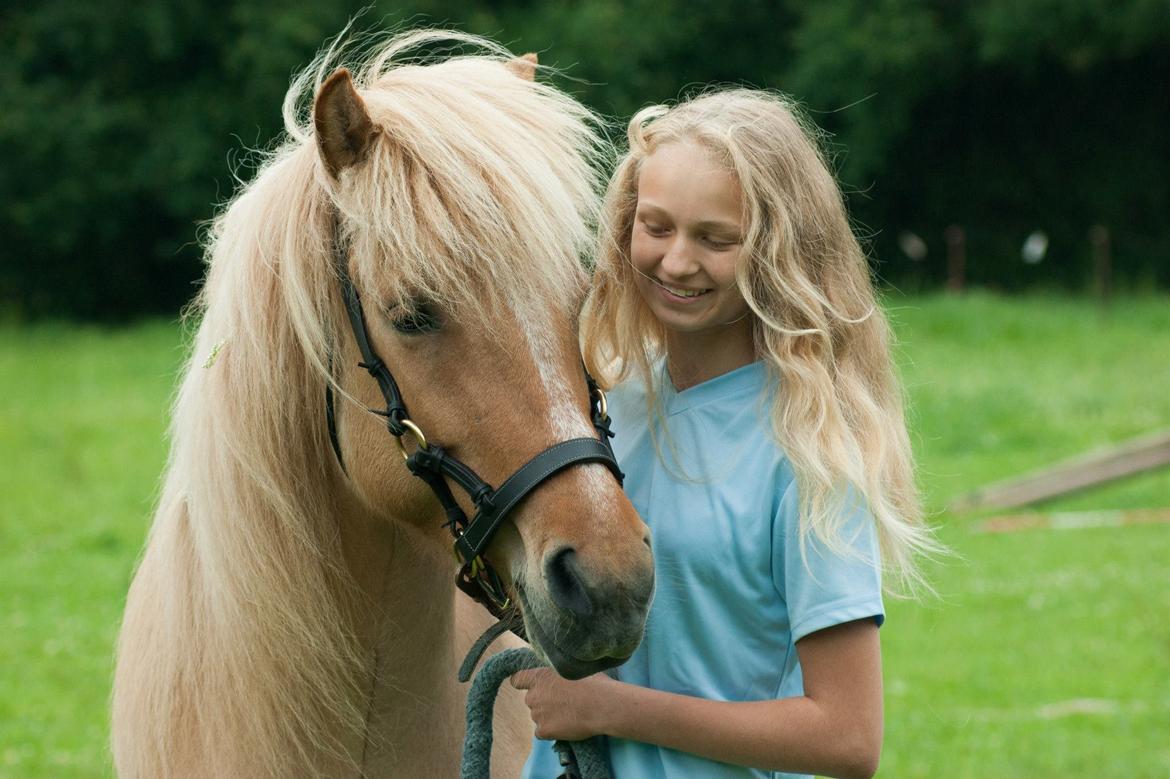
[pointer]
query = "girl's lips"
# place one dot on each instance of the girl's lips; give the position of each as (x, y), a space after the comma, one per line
(672, 296)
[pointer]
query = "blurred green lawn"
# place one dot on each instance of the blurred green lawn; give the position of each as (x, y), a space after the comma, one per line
(1046, 654)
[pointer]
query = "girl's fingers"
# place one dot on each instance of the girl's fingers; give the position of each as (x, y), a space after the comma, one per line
(522, 680)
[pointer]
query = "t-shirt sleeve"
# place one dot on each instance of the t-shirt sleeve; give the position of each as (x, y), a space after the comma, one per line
(826, 587)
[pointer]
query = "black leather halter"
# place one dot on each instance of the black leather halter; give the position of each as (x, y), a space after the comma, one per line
(432, 464)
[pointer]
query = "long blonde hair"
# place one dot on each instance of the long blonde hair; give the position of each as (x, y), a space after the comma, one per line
(839, 413)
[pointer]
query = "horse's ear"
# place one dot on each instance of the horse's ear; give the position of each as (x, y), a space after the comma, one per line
(344, 128)
(524, 66)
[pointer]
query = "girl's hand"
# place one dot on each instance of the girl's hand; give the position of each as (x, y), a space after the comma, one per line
(563, 709)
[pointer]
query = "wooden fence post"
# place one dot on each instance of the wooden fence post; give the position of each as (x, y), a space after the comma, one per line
(1102, 263)
(956, 240)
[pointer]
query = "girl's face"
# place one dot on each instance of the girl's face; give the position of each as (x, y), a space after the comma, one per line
(687, 235)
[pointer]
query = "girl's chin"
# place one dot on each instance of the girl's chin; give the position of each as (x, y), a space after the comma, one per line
(700, 321)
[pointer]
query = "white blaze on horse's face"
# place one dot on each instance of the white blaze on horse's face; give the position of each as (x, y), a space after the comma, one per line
(495, 384)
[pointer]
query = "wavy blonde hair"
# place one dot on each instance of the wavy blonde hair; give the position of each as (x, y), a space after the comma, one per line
(839, 415)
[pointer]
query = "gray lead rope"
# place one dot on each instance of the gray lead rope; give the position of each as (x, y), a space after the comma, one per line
(580, 759)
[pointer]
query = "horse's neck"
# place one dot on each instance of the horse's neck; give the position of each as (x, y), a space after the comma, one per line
(416, 631)
(406, 622)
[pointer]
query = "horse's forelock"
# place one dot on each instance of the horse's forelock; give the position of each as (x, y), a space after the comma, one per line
(479, 181)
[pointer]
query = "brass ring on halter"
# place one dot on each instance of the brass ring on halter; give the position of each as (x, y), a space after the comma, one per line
(602, 406)
(419, 438)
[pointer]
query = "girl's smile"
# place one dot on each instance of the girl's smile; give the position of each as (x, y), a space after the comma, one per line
(680, 295)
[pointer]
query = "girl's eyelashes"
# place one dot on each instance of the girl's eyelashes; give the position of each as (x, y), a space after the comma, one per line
(720, 243)
(654, 229)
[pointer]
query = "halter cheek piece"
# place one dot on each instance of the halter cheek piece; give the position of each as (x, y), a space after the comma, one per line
(432, 464)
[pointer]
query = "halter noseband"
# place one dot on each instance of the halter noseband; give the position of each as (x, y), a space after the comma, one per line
(432, 464)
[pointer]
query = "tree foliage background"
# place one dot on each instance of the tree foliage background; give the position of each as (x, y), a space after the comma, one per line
(123, 124)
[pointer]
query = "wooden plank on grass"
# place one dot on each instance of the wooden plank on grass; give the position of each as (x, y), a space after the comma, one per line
(1073, 520)
(1141, 454)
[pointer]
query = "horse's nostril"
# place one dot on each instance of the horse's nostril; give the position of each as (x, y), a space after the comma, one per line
(646, 540)
(565, 585)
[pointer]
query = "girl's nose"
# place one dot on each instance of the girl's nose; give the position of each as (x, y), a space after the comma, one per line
(678, 261)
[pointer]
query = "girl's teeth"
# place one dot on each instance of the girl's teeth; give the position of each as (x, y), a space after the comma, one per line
(683, 293)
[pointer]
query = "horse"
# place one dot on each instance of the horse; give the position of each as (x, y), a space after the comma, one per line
(294, 612)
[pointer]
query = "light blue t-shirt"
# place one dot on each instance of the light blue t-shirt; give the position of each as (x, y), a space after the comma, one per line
(733, 595)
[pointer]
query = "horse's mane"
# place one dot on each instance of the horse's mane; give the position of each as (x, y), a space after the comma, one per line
(477, 180)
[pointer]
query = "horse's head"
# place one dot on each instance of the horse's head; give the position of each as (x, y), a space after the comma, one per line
(465, 193)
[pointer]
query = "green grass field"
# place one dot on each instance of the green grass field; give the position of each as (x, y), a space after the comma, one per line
(1046, 654)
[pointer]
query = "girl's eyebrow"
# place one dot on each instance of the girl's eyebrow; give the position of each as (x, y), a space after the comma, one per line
(644, 205)
(706, 224)
(716, 225)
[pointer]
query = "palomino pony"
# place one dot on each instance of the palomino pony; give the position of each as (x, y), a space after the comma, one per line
(294, 613)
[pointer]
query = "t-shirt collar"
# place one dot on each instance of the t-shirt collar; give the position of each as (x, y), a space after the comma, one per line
(745, 379)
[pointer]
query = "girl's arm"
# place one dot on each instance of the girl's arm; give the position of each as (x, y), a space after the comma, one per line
(834, 729)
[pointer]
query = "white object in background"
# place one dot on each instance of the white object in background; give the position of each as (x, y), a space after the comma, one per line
(912, 245)
(1035, 247)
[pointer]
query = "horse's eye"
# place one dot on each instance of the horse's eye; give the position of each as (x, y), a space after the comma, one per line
(420, 319)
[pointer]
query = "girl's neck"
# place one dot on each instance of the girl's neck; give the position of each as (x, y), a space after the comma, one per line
(693, 358)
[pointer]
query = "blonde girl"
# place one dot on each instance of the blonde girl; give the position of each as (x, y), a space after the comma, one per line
(760, 424)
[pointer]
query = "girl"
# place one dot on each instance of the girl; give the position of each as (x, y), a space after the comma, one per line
(761, 428)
